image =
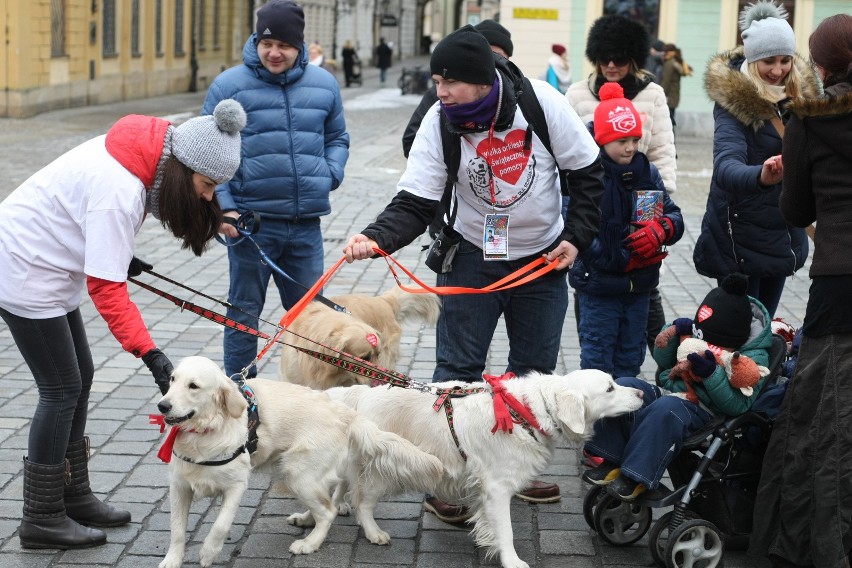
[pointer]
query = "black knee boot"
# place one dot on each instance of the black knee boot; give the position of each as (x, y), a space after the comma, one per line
(80, 503)
(44, 523)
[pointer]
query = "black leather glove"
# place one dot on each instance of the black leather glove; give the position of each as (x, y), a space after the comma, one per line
(137, 267)
(160, 367)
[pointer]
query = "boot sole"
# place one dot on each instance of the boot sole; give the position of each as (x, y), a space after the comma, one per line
(451, 520)
(43, 546)
(539, 500)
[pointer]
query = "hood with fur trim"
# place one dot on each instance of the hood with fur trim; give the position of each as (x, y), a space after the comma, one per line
(732, 90)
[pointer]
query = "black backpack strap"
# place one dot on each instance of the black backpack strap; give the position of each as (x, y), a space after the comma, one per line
(534, 114)
(451, 145)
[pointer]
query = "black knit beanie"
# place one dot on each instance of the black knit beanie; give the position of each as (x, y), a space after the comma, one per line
(496, 35)
(724, 317)
(616, 37)
(464, 55)
(282, 20)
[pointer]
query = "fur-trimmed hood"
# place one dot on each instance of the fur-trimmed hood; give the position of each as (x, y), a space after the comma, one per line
(731, 89)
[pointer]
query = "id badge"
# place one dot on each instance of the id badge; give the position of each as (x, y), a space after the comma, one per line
(495, 237)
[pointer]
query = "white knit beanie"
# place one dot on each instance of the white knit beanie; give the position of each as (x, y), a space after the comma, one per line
(210, 145)
(766, 32)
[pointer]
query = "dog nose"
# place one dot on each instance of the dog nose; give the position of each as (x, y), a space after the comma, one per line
(164, 406)
(640, 394)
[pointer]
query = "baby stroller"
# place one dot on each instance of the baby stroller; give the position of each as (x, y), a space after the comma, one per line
(714, 482)
(355, 79)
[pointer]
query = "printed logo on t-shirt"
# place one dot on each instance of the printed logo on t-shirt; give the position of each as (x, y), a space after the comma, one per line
(508, 160)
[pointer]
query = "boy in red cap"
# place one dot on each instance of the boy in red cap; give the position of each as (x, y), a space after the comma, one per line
(615, 275)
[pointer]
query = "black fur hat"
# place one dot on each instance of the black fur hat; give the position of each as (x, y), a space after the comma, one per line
(616, 37)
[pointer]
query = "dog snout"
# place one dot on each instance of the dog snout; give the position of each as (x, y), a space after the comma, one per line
(639, 393)
(164, 406)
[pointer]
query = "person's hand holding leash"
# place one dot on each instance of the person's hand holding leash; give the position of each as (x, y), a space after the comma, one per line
(137, 266)
(565, 252)
(230, 229)
(359, 247)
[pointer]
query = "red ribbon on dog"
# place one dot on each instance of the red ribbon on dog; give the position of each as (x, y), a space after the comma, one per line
(166, 449)
(503, 399)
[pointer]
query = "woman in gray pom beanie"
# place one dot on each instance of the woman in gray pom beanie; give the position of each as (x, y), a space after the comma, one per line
(71, 227)
(743, 230)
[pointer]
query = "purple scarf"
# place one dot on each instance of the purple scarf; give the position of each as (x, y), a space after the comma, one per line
(476, 115)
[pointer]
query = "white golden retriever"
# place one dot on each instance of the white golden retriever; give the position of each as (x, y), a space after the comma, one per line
(498, 465)
(308, 440)
(372, 332)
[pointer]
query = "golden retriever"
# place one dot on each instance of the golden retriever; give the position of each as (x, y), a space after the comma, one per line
(305, 438)
(498, 465)
(372, 332)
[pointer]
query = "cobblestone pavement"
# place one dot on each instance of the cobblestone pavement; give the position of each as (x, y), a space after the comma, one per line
(124, 467)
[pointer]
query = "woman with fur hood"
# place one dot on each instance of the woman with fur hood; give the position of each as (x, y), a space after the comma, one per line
(743, 230)
(804, 501)
(616, 46)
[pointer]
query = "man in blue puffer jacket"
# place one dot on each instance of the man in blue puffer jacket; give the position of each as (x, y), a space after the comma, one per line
(294, 149)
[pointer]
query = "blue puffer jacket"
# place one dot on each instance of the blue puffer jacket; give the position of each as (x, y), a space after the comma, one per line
(294, 145)
(743, 230)
(599, 270)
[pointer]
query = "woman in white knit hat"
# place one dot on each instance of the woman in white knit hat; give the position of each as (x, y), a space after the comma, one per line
(71, 226)
(743, 230)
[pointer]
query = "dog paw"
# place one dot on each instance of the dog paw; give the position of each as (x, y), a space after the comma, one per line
(207, 555)
(302, 547)
(378, 537)
(171, 561)
(305, 519)
(344, 510)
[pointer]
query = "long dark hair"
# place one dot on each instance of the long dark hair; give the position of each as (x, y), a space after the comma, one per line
(183, 212)
(831, 48)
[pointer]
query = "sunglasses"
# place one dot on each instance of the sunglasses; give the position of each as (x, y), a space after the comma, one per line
(617, 61)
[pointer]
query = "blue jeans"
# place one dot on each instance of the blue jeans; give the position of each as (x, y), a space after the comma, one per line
(296, 248)
(534, 314)
(612, 332)
(768, 290)
(644, 442)
(383, 74)
(57, 352)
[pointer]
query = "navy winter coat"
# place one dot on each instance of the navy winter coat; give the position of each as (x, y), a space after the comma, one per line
(743, 230)
(294, 145)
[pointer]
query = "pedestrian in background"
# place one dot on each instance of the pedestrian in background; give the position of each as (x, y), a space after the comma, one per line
(71, 226)
(674, 67)
(478, 94)
(614, 276)
(350, 59)
(804, 500)
(751, 86)
(316, 56)
(294, 149)
(654, 61)
(384, 54)
(558, 72)
(616, 46)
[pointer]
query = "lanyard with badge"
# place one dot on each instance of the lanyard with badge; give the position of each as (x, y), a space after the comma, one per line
(495, 232)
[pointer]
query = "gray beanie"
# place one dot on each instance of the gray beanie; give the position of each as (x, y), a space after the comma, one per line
(210, 145)
(766, 32)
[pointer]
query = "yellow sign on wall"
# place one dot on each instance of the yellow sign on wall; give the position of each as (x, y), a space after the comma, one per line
(535, 14)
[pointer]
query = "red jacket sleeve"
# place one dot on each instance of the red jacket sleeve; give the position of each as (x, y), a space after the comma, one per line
(121, 315)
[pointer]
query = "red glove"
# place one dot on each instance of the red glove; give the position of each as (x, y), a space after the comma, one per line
(649, 237)
(637, 261)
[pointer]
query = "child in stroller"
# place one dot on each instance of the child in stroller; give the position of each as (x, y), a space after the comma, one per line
(663, 435)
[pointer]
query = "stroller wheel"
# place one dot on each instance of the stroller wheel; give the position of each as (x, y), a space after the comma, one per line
(658, 537)
(620, 523)
(695, 544)
(590, 501)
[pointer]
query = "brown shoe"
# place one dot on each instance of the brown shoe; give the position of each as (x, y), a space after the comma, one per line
(447, 512)
(540, 492)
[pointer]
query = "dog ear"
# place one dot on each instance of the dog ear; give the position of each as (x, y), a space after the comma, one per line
(233, 402)
(571, 411)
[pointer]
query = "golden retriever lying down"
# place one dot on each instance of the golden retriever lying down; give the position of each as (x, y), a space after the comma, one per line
(305, 438)
(498, 465)
(372, 334)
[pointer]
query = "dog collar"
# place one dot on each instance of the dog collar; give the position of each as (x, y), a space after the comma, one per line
(227, 460)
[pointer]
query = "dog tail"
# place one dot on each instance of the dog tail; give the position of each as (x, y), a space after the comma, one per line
(399, 464)
(415, 308)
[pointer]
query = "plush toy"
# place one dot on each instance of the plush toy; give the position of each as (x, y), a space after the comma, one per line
(743, 372)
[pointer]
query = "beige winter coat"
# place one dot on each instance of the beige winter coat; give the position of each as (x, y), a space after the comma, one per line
(657, 135)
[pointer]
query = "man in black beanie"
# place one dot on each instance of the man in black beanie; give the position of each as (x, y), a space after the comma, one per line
(500, 40)
(293, 152)
(497, 179)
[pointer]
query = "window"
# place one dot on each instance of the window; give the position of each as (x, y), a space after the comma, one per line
(57, 28)
(645, 11)
(179, 28)
(134, 27)
(201, 25)
(108, 28)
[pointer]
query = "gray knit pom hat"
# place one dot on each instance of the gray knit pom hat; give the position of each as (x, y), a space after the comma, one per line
(210, 145)
(766, 32)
